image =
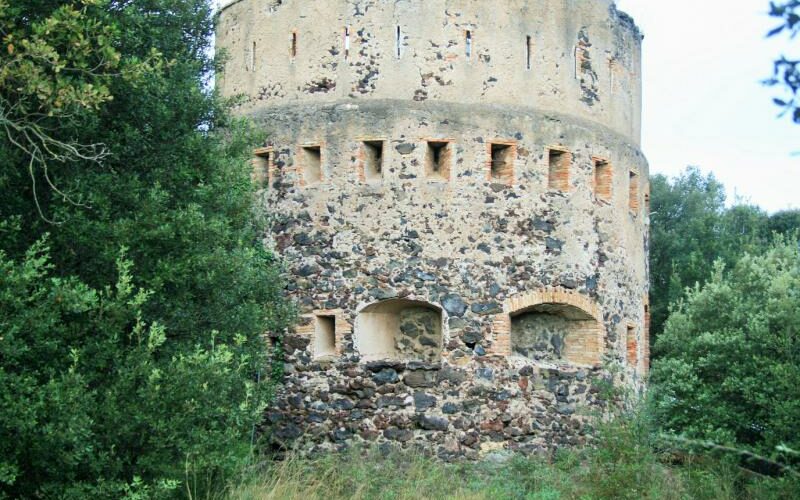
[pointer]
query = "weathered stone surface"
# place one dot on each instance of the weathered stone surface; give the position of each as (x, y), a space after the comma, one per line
(420, 197)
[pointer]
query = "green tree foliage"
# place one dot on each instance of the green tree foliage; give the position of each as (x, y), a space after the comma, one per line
(729, 365)
(89, 407)
(691, 228)
(786, 72)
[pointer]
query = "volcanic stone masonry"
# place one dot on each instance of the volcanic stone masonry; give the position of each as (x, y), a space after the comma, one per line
(457, 190)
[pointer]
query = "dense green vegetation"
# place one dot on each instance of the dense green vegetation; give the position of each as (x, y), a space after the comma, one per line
(691, 228)
(728, 366)
(134, 291)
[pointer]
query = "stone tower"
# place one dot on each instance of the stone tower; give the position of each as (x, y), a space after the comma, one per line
(457, 189)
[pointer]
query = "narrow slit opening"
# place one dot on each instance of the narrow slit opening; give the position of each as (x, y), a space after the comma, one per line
(253, 57)
(398, 41)
(528, 50)
(294, 44)
(347, 42)
(469, 44)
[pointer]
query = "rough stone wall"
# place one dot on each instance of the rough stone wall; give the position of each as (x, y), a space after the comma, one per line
(420, 334)
(511, 221)
(585, 55)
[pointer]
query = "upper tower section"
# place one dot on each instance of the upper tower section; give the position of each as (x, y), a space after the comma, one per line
(575, 57)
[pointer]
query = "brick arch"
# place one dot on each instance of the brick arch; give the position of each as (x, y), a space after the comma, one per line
(519, 304)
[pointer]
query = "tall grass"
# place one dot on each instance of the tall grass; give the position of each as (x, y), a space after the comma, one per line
(621, 465)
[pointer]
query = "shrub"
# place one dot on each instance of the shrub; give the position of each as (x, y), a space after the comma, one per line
(728, 364)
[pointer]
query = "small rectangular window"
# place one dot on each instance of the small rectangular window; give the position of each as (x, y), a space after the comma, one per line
(633, 192)
(373, 161)
(294, 44)
(502, 157)
(312, 164)
(325, 336)
(262, 167)
(603, 179)
(559, 162)
(469, 43)
(528, 52)
(437, 160)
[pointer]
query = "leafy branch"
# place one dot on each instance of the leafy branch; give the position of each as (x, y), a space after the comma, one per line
(52, 70)
(786, 72)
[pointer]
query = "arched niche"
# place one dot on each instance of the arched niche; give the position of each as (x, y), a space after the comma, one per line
(558, 333)
(550, 325)
(399, 329)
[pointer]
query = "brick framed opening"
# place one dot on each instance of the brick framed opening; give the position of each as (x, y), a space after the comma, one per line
(633, 191)
(632, 346)
(603, 179)
(263, 167)
(372, 160)
(502, 157)
(559, 162)
(438, 160)
(556, 333)
(554, 325)
(324, 336)
(311, 165)
(399, 329)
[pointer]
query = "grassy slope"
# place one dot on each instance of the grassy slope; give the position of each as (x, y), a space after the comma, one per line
(623, 465)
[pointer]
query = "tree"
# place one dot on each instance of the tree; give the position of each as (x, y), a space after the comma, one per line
(685, 216)
(56, 65)
(172, 190)
(786, 72)
(691, 228)
(729, 364)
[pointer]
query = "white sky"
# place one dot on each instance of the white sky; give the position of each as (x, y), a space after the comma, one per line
(704, 104)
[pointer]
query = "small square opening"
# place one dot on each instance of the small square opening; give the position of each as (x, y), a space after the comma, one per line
(559, 162)
(603, 179)
(325, 336)
(633, 192)
(502, 157)
(373, 161)
(437, 160)
(312, 164)
(262, 164)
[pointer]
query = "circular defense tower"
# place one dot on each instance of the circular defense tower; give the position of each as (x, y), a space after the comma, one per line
(457, 190)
